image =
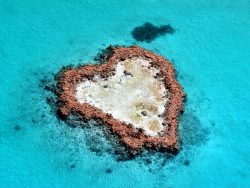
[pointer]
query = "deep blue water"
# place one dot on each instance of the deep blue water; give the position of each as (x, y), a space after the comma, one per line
(210, 49)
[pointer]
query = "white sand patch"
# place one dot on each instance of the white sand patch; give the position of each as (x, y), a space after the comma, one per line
(132, 95)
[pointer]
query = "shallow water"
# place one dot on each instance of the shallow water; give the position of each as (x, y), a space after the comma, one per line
(210, 50)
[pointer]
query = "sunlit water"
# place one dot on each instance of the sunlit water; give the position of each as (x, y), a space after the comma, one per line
(210, 49)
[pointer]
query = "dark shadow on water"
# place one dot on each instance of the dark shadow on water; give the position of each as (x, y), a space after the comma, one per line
(109, 170)
(186, 162)
(72, 166)
(149, 32)
(192, 132)
(17, 128)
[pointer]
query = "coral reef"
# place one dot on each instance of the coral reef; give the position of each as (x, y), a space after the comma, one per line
(133, 92)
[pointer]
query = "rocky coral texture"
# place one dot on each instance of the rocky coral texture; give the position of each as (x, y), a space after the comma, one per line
(133, 92)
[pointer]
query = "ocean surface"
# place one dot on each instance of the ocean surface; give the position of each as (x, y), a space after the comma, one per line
(210, 48)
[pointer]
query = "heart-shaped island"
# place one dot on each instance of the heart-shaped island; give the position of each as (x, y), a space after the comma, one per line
(133, 92)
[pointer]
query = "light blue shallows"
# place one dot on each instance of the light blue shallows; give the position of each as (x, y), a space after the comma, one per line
(210, 50)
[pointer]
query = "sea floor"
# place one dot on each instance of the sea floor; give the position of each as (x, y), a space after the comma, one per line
(210, 49)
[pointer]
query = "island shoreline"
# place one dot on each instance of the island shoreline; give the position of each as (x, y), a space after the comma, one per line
(133, 139)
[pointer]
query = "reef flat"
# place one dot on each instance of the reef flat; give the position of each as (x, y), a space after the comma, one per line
(132, 91)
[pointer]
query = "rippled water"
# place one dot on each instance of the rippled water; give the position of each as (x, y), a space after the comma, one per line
(210, 49)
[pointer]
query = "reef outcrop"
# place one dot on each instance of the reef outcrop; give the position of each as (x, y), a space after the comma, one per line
(132, 91)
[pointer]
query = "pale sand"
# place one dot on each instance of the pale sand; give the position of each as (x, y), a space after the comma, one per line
(138, 99)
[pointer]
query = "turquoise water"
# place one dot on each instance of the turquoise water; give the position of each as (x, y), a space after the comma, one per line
(210, 49)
